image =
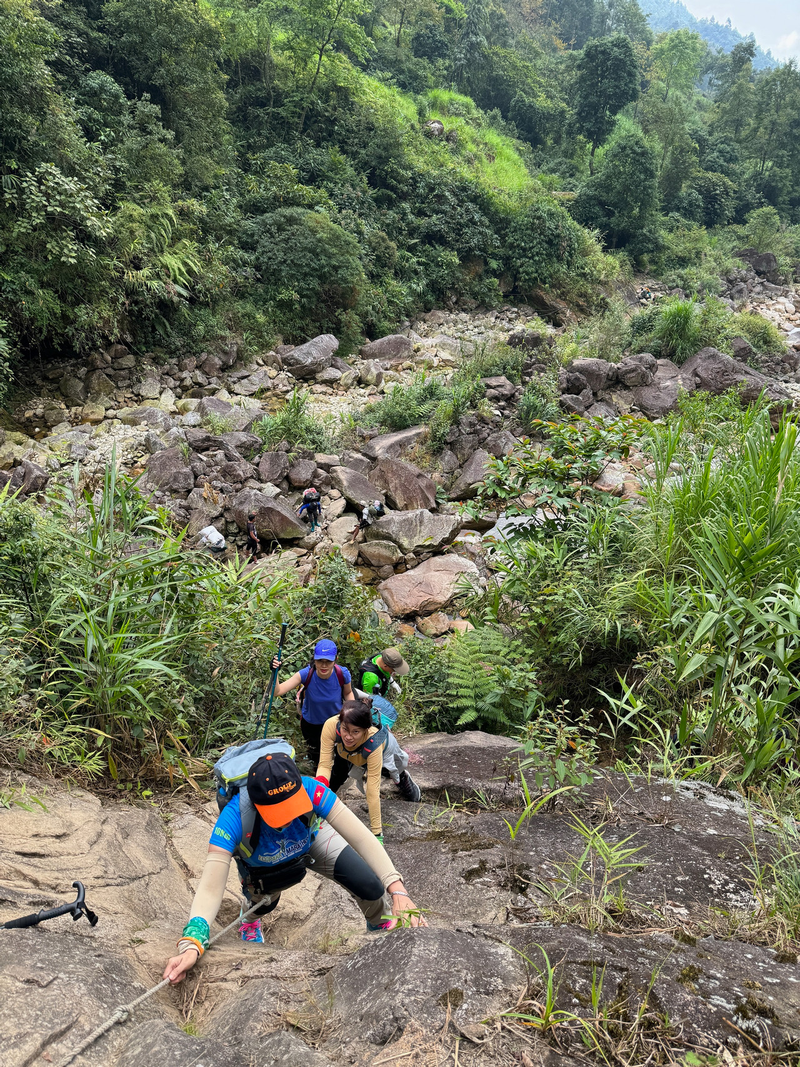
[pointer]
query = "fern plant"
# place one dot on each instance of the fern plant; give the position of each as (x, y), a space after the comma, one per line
(490, 686)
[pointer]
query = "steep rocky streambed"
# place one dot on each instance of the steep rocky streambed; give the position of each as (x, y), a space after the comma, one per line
(670, 963)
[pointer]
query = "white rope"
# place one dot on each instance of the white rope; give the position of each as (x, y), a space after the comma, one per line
(125, 1010)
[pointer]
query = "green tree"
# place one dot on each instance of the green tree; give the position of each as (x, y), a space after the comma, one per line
(676, 60)
(608, 79)
(317, 30)
(310, 270)
(470, 57)
(621, 200)
(172, 50)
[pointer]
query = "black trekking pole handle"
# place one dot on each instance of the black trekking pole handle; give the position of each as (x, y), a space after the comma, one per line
(284, 628)
(77, 908)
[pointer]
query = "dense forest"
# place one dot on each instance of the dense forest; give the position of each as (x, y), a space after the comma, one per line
(177, 171)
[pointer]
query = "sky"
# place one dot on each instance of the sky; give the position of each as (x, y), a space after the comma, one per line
(775, 23)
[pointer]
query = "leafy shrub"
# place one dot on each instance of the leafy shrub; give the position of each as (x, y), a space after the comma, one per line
(293, 423)
(677, 329)
(408, 406)
(543, 243)
(539, 401)
(762, 334)
(310, 270)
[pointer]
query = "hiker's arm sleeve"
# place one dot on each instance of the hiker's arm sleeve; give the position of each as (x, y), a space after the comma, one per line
(364, 842)
(374, 768)
(211, 889)
(327, 750)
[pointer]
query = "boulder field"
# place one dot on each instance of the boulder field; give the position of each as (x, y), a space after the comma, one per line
(679, 946)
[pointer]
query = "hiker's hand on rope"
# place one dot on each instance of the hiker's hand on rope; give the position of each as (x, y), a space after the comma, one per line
(179, 966)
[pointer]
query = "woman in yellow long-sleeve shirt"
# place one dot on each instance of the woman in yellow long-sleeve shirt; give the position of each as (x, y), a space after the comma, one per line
(350, 739)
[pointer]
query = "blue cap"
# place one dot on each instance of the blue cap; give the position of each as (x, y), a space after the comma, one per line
(325, 649)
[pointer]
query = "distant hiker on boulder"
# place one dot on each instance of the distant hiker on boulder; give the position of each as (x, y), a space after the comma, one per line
(376, 675)
(369, 513)
(311, 507)
(297, 821)
(352, 745)
(253, 542)
(324, 686)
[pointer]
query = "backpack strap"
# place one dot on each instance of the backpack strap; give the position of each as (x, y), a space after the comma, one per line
(311, 671)
(251, 825)
(374, 742)
(370, 745)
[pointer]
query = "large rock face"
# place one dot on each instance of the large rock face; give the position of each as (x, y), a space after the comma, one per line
(274, 519)
(428, 587)
(466, 486)
(392, 349)
(364, 999)
(309, 359)
(392, 445)
(416, 530)
(169, 470)
(425, 976)
(354, 487)
(406, 487)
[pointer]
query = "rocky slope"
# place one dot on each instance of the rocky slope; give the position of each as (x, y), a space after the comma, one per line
(675, 949)
(188, 427)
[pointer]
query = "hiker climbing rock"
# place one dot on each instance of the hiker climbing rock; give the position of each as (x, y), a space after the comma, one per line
(352, 742)
(369, 513)
(325, 685)
(298, 823)
(376, 674)
(311, 507)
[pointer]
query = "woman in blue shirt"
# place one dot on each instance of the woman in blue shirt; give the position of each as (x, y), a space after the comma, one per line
(299, 823)
(325, 685)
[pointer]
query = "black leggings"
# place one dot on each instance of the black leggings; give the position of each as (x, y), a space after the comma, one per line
(312, 734)
(339, 772)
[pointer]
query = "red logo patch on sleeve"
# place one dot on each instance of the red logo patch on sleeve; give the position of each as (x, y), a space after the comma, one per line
(319, 793)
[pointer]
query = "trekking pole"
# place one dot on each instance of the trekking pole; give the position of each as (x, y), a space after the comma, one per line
(284, 627)
(77, 908)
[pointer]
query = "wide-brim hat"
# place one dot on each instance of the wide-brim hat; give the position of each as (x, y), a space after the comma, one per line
(392, 658)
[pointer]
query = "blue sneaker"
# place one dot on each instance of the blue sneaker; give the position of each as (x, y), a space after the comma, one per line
(252, 932)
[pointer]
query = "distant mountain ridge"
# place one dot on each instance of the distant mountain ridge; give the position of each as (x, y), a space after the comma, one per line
(666, 15)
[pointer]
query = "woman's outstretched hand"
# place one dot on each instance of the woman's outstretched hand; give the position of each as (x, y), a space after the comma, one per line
(179, 966)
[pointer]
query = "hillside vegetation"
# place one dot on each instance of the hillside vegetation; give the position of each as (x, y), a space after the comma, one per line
(174, 171)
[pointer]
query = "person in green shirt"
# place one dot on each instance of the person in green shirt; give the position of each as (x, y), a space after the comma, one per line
(378, 673)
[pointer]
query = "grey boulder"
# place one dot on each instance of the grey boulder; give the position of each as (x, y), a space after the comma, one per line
(391, 445)
(274, 519)
(715, 373)
(469, 481)
(273, 467)
(354, 487)
(169, 470)
(413, 531)
(406, 487)
(396, 348)
(309, 359)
